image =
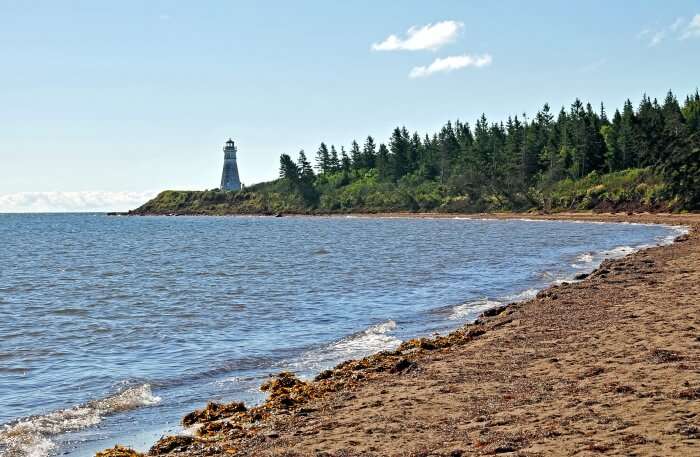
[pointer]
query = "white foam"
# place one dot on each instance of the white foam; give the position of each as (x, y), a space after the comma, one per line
(522, 296)
(619, 251)
(31, 436)
(472, 309)
(374, 339)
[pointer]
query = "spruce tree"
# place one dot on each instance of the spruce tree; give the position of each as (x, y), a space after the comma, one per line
(288, 169)
(306, 173)
(358, 160)
(369, 153)
(345, 162)
(334, 162)
(323, 159)
(383, 162)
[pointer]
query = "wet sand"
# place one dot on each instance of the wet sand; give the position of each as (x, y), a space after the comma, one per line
(609, 365)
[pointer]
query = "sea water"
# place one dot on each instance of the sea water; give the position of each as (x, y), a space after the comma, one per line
(112, 328)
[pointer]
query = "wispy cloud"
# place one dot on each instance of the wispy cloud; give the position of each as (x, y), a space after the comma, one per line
(677, 24)
(680, 29)
(692, 30)
(446, 64)
(40, 202)
(431, 36)
(657, 38)
(643, 34)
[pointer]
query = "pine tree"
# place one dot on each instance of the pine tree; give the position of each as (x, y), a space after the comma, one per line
(369, 153)
(673, 123)
(345, 162)
(288, 169)
(399, 149)
(306, 173)
(323, 159)
(334, 162)
(613, 154)
(691, 112)
(383, 162)
(627, 137)
(358, 160)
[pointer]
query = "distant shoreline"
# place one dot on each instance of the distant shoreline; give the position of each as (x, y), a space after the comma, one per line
(502, 381)
(583, 216)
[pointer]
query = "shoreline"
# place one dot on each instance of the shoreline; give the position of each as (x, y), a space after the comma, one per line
(329, 414)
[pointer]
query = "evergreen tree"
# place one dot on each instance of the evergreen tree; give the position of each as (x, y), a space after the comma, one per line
(323, 159)
(399, 149)
(682, 169)
(369, 153)
(334, 162)
(288, 169)
(358, 159)
(306, 173)
(345, 162)
(691, 112)
(627, 137)
(383, 162)
(673, 123)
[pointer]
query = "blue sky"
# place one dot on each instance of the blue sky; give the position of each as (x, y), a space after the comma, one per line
(103, 103)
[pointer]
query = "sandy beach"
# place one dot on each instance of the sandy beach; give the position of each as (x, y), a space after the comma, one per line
(609, 365)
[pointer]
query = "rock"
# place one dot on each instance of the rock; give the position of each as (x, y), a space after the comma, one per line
(494, 311)
(581, 276)
(171, 443)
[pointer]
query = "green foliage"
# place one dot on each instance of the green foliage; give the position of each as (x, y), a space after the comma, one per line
(641, 159)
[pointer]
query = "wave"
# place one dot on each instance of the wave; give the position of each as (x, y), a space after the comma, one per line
(472, 309)
(373, 339)
(522, 296)
(31, 436)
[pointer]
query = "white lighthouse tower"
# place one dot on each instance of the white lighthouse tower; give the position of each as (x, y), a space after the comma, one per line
(229, 176)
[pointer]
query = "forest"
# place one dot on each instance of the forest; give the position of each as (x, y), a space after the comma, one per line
(637, 158)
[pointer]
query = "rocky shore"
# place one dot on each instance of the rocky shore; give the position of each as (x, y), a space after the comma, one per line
(607, 365)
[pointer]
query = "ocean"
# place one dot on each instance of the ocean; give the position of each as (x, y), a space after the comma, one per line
(112, 328)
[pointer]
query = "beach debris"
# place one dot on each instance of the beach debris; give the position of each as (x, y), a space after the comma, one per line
(690, 394)
(665, 356)
(118, 451)
(213, 411)
(168, 444)
(403, 365)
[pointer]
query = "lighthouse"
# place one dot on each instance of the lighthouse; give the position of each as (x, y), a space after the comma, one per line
(229, 177)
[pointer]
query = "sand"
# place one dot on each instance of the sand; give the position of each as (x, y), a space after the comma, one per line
(606, 366)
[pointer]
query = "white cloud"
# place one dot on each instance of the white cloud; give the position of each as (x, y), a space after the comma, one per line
(643, 33)
(40, 202)
(446, 64)
(692, 30)
(677, 24)
(431, 36)
(657, 38)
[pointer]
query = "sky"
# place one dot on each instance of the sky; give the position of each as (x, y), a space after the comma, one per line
(103, 104)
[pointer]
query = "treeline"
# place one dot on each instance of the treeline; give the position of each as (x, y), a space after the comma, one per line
(511, 164)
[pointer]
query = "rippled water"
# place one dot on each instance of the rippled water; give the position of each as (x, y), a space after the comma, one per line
(112, 328)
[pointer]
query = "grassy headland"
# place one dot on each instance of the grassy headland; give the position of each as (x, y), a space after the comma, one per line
(643, 159)
(629, 190)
